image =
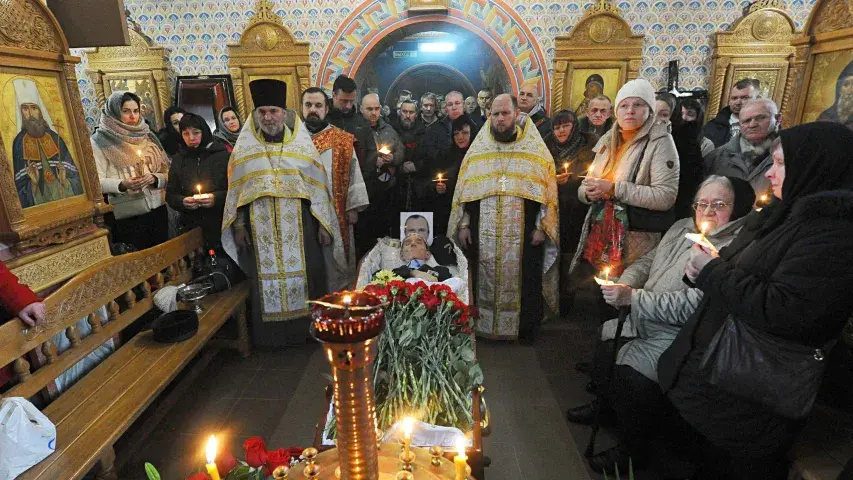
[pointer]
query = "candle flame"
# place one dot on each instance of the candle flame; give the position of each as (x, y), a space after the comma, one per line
(198, 187)
(408, 425)
(704, 227)
(347, 300)
(764, 198)
(139, 152)
(566, 165)
(607, 270)
(211, 448)
(384, 150)
(439, 177)
(460, 447)
(590, 170)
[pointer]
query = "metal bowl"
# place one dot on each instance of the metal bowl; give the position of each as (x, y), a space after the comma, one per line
(192, 295)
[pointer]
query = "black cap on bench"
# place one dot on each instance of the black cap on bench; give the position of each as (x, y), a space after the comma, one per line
(175, 326)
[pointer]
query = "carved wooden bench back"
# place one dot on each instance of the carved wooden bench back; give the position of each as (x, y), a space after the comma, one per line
(109, 283)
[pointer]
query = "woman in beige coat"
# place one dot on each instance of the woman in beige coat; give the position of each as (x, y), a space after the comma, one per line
(635, 144)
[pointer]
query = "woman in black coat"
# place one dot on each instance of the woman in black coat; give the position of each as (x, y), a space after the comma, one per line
(788, 275)
(202, 163)
(437, 197)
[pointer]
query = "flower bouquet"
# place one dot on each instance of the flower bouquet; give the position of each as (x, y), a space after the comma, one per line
(260, 463)
(426, 366)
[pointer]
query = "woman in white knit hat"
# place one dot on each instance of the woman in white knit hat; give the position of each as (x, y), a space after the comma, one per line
(631, 185)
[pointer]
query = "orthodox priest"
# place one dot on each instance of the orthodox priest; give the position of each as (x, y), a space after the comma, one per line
(349, 194)
(505, 214)
(279, 216)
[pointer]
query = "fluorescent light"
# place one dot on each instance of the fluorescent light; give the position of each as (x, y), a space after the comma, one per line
(437, 47)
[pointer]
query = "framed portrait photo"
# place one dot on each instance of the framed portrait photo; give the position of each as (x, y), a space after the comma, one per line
(416, 222)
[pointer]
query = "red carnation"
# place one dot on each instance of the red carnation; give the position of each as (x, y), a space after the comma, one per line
(430, 302)
(277, 458)
(256, 451)
(225, 462)
(440, 289)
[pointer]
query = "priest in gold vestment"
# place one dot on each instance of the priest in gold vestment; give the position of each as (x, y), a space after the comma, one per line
(278, 217)
(505, 215)
(349, 193)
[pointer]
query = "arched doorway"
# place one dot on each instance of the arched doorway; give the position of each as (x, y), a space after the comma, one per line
(374, 25)
(428, 77)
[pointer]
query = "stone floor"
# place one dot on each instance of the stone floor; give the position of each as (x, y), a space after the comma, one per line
(278, 395)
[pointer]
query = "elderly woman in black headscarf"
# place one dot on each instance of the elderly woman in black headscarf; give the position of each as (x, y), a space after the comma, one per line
(228, 127)
(780, 292)
(437, 197)
(572, 151)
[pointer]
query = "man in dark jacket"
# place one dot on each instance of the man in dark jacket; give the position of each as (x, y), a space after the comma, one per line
(528, 103)
(747, 155)
(599, 116)
(726, 124)
(411, 130)
(344, 115)
(438, 135)
(198, 180)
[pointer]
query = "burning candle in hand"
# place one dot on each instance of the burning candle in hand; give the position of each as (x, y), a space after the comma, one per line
(210, 450)
(199, 195)
(384, 150)
(606, 274)
(703, 227)
(439, 178)
(566, 168)
(140, 164)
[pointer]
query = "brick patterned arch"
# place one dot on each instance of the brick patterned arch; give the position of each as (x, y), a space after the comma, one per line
(492, 20)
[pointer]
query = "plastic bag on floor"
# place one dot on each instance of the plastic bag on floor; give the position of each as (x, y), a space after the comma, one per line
(27, 437)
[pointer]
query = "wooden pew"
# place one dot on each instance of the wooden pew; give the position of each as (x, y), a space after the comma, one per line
(92, 414)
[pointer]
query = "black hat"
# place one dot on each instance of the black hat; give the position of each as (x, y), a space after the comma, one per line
(175, 326)
(268, 92)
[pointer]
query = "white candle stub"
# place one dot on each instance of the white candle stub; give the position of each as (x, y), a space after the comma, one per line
(701, 240)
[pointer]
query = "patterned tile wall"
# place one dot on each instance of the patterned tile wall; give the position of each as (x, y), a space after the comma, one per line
(197, 31)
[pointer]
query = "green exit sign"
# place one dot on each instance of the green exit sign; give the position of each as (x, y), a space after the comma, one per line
(405, 53)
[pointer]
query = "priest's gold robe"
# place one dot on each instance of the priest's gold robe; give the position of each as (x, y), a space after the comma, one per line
(502, 177)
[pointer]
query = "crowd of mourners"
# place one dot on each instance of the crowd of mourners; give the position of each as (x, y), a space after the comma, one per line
(725, 244)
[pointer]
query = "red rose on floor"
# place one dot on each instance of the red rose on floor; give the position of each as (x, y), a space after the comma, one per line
(225, 462)
(199, 476)
(256, 451)
(277, 458)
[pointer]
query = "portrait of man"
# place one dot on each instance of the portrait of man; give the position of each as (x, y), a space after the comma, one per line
(44, 168)
(842, 110)
(419, 223)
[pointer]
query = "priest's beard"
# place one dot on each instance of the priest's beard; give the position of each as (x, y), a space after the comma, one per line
(504, 136)
(35, 127)
(406, 123)
(845, 106)
(314, 124)
(273, 130)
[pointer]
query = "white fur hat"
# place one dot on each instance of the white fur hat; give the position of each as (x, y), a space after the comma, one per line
(639, 87)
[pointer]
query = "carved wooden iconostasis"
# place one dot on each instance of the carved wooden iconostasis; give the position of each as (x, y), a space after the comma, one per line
(758, 45)
(598, 56)
(823, 67)
(50, 195)
(140, 67)
(267, 49)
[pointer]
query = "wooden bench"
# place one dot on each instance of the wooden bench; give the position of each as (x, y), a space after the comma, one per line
(93, 413)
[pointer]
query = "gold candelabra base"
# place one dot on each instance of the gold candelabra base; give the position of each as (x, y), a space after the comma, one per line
(389, 465)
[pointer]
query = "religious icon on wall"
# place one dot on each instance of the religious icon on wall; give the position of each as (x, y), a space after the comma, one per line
(587, 83)
(35, 125)
(143, 87)
(766, 80)
(830, 90)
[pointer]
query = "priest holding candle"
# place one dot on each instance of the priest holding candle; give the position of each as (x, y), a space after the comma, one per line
(279, 216)
(198, 181)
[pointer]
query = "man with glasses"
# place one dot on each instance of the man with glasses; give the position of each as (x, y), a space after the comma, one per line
(747, 154)
(599, 116)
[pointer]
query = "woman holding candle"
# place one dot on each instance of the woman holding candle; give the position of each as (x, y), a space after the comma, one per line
(572, 152)
(436, 194)
(198, 180)
(228, 127)
(660, 303)
(133, 168)
(635, 168)
(787, 279)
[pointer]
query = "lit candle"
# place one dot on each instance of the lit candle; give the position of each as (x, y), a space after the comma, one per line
(764, 199)
(606, 274)
(141, 163)
(408, 425)
(460, 461)
(440, 178)
(198, 187)
(589, 173)
(704, 229)
(384, 150)
(211, 458)
(347, 302)
(566, 168)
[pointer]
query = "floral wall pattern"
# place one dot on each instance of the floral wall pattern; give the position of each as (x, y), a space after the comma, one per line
(197, 31)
